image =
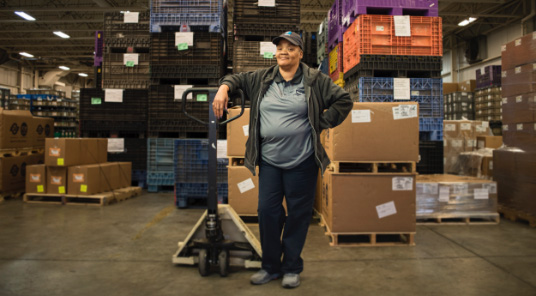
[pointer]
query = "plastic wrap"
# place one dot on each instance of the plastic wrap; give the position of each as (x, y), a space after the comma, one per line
(455, 196)
(477, 163)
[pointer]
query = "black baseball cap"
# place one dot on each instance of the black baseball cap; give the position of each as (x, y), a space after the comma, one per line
(291, 37)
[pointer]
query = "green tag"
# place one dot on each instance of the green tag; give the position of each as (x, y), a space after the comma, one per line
(183, 46)
(40, 188)
(202, 97)
(61, 189)
(268, 55)
(96, 101)
(130, 64)
(83, 188)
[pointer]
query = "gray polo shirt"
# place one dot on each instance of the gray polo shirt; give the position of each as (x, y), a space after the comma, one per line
(286, 133)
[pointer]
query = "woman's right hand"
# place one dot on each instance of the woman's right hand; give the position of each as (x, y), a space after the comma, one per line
(220, 101)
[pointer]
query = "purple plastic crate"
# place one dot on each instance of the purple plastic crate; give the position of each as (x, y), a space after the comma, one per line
(353, 8)
(97, 62)
(99, 44)
(491, 76)
(335, 29)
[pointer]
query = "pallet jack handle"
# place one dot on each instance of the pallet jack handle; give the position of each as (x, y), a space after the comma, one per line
(212, 94)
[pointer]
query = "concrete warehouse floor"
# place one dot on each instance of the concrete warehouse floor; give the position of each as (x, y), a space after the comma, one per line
(126, 249)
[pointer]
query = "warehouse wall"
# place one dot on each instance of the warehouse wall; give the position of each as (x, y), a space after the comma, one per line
(10, 77)
(493, 55)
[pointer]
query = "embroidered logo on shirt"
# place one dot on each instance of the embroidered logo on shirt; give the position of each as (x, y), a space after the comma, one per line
(300, 91)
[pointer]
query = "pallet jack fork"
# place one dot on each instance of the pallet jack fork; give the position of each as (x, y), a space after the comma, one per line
(220, 238)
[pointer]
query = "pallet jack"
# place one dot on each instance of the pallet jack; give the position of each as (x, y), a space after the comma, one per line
(220, 238)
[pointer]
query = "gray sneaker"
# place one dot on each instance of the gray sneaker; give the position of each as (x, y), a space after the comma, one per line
(263, 277)
(291, 280)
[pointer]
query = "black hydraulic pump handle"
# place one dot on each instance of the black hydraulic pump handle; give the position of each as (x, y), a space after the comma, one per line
(212, 93)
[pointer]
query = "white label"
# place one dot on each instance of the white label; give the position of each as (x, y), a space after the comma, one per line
(379, 28)
(415, 93)
(481, 144)
(430, 188)
(320, 28)
(518, 42)
(482, 70)
(534, 35)
(402, 183)
(360, 116)
(456, 143)
(268, 3)
(518, 70)
(471, 143)
(533, 67)
(491, 167)
(505, 127)
(505, 101)
(519, 126)
(116, 145)
(402, 26)
(113, 95)
(535, 126)
(503, 74)
(465, 126)
(444, 193)
(130, 57)
(503, 48)
(490, 187)
(184, 37)
(246, 185)
(460, 188)
(401, 88)
(221, 149)
(131, 17)
(481, 193)
(245, 128)
(480, 129)
(267, 47)
(179, 90)
(404, 112)
(386, 209)
(450, 127)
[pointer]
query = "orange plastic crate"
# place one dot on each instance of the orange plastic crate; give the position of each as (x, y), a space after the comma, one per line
(375, 34)
(336, 62)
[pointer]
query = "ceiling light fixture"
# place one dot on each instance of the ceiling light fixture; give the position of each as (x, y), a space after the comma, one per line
(24, 15)
(25, 54)
(64, 68)
(466, 22)
(82, 74)
(61, 34)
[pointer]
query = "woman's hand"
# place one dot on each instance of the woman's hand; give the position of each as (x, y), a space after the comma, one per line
(220, 101)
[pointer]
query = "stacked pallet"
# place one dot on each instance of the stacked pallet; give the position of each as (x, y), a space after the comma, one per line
(488, 98)
(514, 166)
(322, 47)
(368, 192)
(334, 44)
(390, 57)
(255, 25)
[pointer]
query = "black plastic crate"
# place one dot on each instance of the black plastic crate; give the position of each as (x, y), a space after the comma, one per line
(396, 66)
(247, 57)
(93, 106)
(263, 29)
(135, 152)
(431, 153)
(117, 33)
(284, 13)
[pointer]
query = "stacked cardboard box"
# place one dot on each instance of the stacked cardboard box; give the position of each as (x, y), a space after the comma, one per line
(461, 136)
(353, 201)
(479, 163)
(459, 105)
(77, 167)
(449, 196)
(488, 103)
(514, 166)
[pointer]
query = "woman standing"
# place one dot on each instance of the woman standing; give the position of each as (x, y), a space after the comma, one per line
(290, 105)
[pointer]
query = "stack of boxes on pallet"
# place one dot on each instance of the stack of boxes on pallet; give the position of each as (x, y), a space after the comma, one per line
(369, 189)
(514, 165)
(22, 140)
(459, 105)
(75, 167)
(488, 98)
(255, 25)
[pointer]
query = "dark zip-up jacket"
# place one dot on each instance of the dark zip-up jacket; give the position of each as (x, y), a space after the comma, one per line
(327, 104)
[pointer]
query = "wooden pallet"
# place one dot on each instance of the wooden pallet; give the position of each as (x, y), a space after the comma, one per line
(368, 239)
(515, 215)
(20, 152)
(373, 167)
(100, 199)
(11, 195)
(472, 219)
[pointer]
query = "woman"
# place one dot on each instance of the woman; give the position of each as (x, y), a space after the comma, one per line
(290, 105)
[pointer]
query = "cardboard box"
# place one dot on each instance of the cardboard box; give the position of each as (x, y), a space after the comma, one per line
(514, 163)
(355, 203)
(518, 52)
(243, 194)
(36, 178)
(450, 88)
(69, 152)
(489, 142)
(519, 109)
(468, 85)
(57, 180)
(518, 81)
(520, 135)
(43, 127)
(125, 174)
(487, 168)
(371, 133)
(84, 179)
(110, 177)
(15, 129)
(13, 171)
(237, 132)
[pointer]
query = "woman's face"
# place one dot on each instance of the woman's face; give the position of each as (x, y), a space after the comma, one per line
(288, 54)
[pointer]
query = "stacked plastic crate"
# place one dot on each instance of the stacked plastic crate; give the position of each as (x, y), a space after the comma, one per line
(309, 49)
(322, 47)
(393, 53)
(256, 23)
(335, 44)
(459, 105)
(488, 98)
(97, 60)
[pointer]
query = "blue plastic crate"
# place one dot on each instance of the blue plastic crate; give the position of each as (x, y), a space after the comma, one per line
(188, 191)
(428, 92)
(160, 155)
(430, 124)
(191, 162)
(27, 97)
(208, 14)
(324, 67)
(431, 135)
(140, 177)
(160, 178)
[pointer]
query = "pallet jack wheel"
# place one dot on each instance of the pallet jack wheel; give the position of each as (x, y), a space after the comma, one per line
(203, 262)
(223, 259)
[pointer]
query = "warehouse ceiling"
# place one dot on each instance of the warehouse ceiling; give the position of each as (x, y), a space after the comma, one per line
(81, 18)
